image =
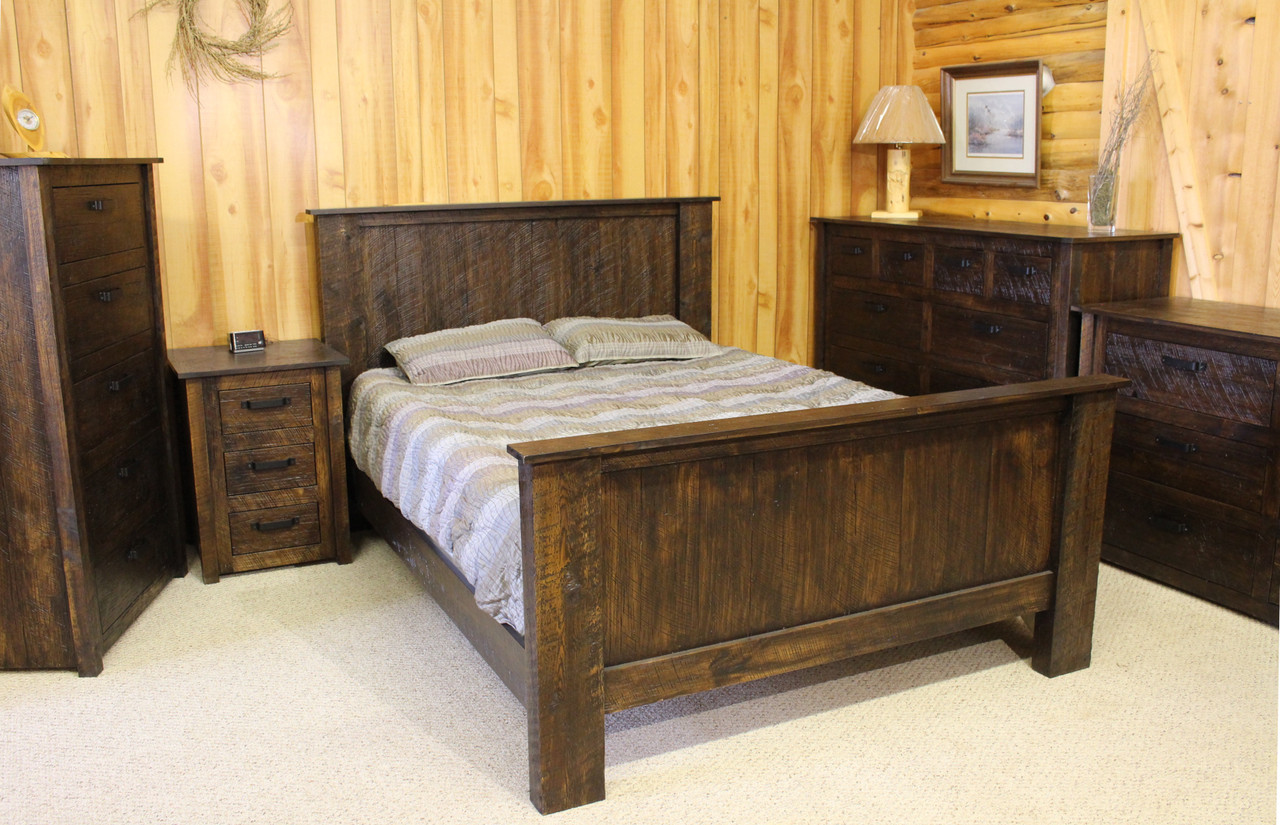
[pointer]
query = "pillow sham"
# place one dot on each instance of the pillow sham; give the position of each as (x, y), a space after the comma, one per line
(622, 340)
(513, 346)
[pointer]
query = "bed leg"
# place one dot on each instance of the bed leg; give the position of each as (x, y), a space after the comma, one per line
(564, 639)
(1064, 633)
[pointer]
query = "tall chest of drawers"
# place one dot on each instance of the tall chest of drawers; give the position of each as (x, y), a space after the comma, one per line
(89, 511)
(943, 304)
(1194, 493)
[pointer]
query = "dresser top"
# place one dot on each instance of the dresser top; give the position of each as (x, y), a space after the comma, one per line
(1055, 232)
(1243, 319)
(42, 161)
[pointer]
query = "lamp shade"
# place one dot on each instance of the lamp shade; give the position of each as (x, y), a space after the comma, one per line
(899, 115)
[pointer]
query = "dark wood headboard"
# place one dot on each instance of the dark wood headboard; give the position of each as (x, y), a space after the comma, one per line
(392, 271)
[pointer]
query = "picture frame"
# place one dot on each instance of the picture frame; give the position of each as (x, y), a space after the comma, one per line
(991, 119)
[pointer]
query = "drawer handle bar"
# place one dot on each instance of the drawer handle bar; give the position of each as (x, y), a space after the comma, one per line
(1169, 525)
(106, 296)
(125, 470)
(1179, 446)
(118, 384)
(282, 524)
(876, 307)
(268, 404)
(276, 464)
(987, 329)
(1183, 364)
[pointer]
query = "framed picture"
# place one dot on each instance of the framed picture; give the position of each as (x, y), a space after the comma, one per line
(991, 118)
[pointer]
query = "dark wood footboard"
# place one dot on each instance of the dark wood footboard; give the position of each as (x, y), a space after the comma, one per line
(670, 560)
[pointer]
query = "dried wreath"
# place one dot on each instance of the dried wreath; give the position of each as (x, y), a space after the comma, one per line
(204, 54)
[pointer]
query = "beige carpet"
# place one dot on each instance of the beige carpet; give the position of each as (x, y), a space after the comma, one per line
(328, 694)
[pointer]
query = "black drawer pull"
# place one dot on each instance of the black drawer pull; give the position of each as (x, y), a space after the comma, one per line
(135, 551)
(119, 384)
(987, 329)
(106, 296)
(965, 263)
(876, 307)
(1169, 525)
(275, 464)
(876, 369)
(1178, 446)
(282, 524)
(857, 250)
(1183, 364)
(125, 470)
(1031, 270)
(268, 404)
(908, 256)
(97, 205)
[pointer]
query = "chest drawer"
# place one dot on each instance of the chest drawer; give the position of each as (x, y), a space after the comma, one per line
(108, 401)
(273, 407)
(1013, 344)
(902, 262)
(1021, 278)
(106, 310)
(893, 374)
(1224, 384)
(89, 221)
(128, 562)
(126, 489)
(958, 270)
(849, 255)
(884, 318)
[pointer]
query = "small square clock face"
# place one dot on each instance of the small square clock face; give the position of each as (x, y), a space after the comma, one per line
(250, 340)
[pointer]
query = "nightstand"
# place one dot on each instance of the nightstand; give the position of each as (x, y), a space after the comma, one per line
(267, 456)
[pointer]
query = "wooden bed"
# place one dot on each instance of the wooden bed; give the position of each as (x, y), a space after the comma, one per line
(670, 560)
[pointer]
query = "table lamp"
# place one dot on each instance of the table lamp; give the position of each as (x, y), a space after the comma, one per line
(899, 116)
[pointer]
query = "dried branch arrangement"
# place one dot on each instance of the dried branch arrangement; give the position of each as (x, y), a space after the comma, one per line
(203, 54)
(1129, 111)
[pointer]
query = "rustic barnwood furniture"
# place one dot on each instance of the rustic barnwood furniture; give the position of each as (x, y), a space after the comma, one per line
(947, 303)
(664, 561)
(89, 515)
(268, 465)
(1194, 495)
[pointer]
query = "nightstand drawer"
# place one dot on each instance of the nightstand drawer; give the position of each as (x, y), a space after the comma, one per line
(270, 468)
(89, 221)
(275, 528)
(895, 321)
(1215, 544)
(265, 408)
(1021, 278)
(958, 270)
(106, 310)
(1225, 384)
(999, 341)
(1211, 466)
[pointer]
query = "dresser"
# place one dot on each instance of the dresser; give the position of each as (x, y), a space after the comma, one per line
(89, 512)
(943, 304)
(1194, 493)
(267, 454)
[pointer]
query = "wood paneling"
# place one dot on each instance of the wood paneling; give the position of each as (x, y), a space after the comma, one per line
(445, 101)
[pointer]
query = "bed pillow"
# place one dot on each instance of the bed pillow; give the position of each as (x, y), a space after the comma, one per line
(515, 346)
(622, 340)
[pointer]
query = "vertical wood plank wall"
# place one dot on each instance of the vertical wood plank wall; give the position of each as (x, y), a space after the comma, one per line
(754, 101)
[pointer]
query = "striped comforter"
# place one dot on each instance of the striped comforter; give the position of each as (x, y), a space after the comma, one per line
(439, 452)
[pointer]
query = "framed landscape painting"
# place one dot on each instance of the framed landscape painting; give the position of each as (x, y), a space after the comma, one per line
(991, 118)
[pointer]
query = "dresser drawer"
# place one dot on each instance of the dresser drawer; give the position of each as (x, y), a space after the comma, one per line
(1230, 471)
(275, 528)
(893, 374)
(265, 408)
(127, 488)
(958, 270)
(106, 310)
(902, 262)
(885, 318)
(999, 341)
(270, 468)
(1021, 278)
(1223, 384)
(1208, 542)
(110, 400)
(128, 562)
(89, 221)
(849, 255)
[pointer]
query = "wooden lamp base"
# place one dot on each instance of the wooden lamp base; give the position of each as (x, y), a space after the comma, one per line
(897, 186)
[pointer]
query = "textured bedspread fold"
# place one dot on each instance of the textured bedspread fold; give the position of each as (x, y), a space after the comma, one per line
(439, 453)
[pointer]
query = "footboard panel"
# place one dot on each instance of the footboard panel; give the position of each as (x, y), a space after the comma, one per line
(672, 560)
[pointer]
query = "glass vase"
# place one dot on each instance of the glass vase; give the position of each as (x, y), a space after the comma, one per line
(1102, 203)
